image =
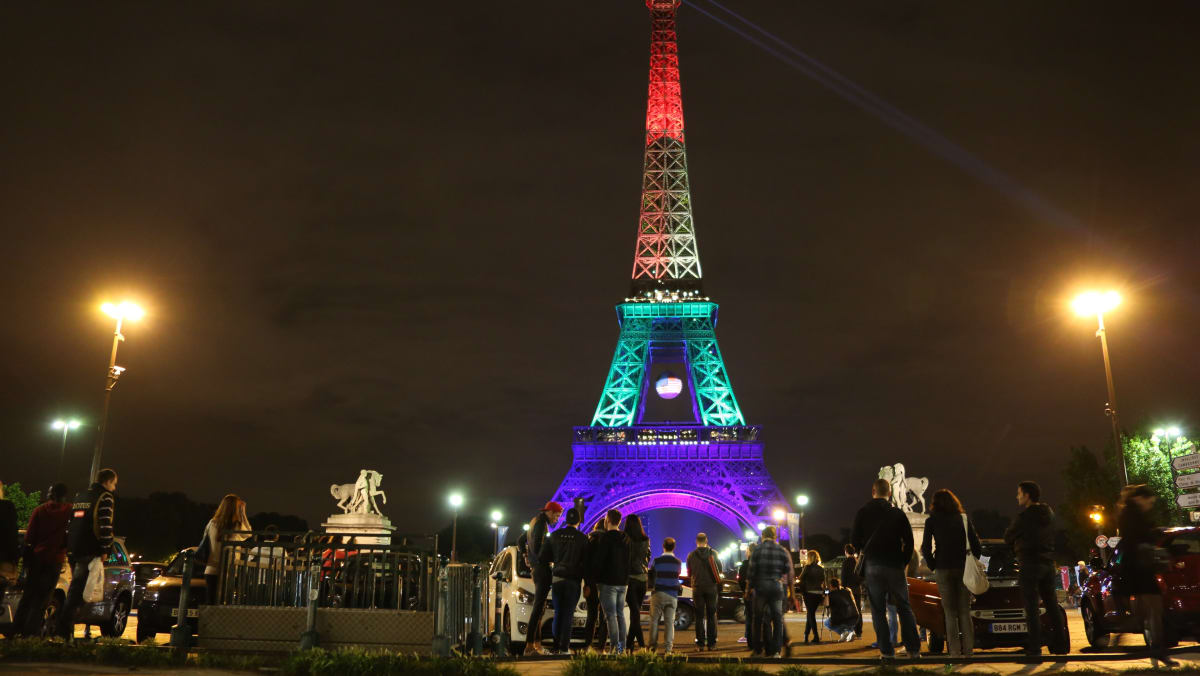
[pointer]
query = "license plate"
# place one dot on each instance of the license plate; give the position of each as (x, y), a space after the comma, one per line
(1009, 628)
(579, 622)
(192, 612)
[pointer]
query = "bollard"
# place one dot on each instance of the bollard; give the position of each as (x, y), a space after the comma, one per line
(475, 637)
(308, 640)
(181, 633)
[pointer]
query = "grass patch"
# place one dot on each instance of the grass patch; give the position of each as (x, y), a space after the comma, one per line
(102, 651)
(645, 664)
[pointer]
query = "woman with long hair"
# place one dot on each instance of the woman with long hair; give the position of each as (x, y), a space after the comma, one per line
(229, 518)
(1137, 576)
(812, 582)
(639, 552)
(948, 535)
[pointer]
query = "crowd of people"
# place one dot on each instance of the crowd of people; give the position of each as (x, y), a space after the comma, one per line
(613, 568)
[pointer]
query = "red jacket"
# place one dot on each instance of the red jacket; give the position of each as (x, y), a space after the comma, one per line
(46, 535)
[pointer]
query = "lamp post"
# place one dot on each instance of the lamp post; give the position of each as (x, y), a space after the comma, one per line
(126, 310)
(456, 501)
(1094, 303)
(801, 503)
(496, 516)
(65, 426)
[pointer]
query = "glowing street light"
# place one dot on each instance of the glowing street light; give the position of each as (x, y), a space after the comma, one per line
(801, 503)
(749, 534)
(65, 426)
(779, 515)
(125, 311)
(496, 516)
(1166, 434)
(456, 501)
(1096, 304)
(1096, 517)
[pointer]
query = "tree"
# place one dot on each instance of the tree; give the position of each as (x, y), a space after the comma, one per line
(1089, 484)
(24, 502)
(1148, 461)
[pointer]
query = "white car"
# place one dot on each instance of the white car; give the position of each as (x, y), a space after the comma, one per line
(510, 593)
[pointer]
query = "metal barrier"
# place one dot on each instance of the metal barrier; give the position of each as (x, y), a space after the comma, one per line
(277, 570)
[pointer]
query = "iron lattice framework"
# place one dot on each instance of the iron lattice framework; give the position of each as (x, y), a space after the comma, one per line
(715, 464)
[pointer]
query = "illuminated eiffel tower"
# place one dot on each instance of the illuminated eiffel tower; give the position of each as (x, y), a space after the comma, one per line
(713, 464)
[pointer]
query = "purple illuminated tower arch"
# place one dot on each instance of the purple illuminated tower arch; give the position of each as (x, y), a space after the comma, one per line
(713, 463)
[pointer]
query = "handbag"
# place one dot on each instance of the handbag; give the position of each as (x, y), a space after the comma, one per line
(974, 574)
(93, 590)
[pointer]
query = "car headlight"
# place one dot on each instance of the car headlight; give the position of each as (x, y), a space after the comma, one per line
(524, 597)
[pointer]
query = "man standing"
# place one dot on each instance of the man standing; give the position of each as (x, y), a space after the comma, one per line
(45, 552)
(565, 548)
(1032, 538)
(663, 576)
(706, 581)
(768, 565)
(884, 539)
(90, 535)
(542, 578)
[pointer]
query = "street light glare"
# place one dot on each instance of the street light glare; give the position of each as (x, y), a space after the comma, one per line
(126, 310)
(58, 424)
(496, 515)
(1173, 431)
(801, 500)
(1094, 303)
(456, 500)
(749, 534)
(779, 515)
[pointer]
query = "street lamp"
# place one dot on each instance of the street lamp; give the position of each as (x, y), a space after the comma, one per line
(496, 516)
(456, 502)
(65, 426)
(801, 503)
(1095, 304)
(132, 312)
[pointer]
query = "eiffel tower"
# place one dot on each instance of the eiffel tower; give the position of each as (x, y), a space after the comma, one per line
(714, 463)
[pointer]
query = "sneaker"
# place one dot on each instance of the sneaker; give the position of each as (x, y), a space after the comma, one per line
(774, 656)
(849, 636)
(742, 639)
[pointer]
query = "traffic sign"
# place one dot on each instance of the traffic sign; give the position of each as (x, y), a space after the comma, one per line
(1195, 516)
(1188, 480)
(1188, 500)
(1114, 541)
(1189, 461)
(1101, 541)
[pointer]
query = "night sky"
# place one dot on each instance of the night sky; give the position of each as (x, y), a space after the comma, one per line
(391, 235)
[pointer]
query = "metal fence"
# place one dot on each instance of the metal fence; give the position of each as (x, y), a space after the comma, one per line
(286, 569)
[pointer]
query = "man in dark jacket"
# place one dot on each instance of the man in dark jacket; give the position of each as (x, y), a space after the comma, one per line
(89, 535)
(45, 553)
(1031, 536)
(542, 578)
(769, 564)
(884, 538)
(566, 548)
(843, 614)
(705, 572)
(609, 564)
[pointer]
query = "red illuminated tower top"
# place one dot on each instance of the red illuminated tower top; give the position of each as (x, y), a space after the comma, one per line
(666, 264)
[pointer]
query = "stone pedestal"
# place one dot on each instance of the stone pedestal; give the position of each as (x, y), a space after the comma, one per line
(366, 529)
(917, 521)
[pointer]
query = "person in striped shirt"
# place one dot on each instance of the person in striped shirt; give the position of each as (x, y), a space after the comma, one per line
(664, 580)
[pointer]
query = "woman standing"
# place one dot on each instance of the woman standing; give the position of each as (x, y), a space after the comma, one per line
(609, 565)
(812, 581)
(230, 516)
(1136, 574)
(948, 533)
(639, 552)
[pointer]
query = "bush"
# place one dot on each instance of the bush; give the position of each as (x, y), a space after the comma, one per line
(102, 651)
(358, 662)
(645, 664)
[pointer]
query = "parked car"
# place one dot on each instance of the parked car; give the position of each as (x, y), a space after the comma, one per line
(143, 572)
(998, 614)
(110, 614)
(159, 607)
(510, 593)
(1104, 614)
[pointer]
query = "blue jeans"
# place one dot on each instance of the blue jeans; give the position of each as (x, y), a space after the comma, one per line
(565, 594)
(840, 628)
(612, 600)
(770, 595)
(889, 584)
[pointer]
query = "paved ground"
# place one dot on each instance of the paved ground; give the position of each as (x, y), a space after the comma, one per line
(728, 646)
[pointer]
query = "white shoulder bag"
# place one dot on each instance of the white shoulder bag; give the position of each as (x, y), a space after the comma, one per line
(93, 590)
(974, 574)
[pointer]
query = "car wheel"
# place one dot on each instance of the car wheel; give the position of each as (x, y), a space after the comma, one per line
(739, 613)
(50, 615)
(1092, 626)
(515, 647)
(1064, 645)
(685, 615)
(937, 644)
(116, 622)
